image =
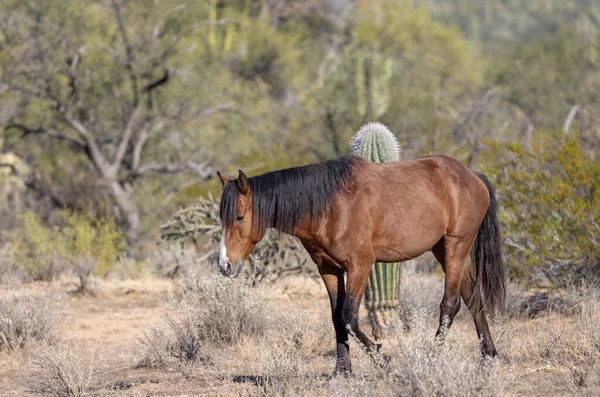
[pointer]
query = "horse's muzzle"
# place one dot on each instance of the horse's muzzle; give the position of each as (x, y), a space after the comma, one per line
(227, 269)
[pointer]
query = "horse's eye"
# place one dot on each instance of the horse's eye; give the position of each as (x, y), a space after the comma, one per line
(240, 218)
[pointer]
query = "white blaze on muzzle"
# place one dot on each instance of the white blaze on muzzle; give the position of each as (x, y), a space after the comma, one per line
(223, 259)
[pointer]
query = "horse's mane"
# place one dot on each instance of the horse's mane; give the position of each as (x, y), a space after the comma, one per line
(281, 199)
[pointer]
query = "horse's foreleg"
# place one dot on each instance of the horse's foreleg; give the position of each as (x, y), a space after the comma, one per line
(334, 283)
(355, 288)
(483, 331)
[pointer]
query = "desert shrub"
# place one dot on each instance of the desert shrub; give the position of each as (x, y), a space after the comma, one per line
(420, 297)
(226, 310)
(213, 311)
(549, 209)
(61, 373)
(174, 336)
(79, 243)
(299, 331)
(570, 346)
(38, 250)
(98, 239)
(27, 318)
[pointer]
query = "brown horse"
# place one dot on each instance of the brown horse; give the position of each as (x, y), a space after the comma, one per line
(349, 213)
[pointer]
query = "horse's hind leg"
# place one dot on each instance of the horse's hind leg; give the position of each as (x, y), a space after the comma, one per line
(452, 254)
(334, 283)
(466, 281)
(483, 331)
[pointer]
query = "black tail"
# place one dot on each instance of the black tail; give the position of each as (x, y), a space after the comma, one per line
(490, 290)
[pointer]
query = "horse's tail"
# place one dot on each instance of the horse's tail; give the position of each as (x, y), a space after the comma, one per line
(490, 289)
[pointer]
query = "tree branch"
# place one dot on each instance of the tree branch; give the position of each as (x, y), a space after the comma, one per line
(128, 52)
(144, 135)
(49, 132)
(570, 118)
(100, 162)
(157, 83)
(122, 148)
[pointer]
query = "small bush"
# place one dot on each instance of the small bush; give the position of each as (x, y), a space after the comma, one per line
(226, 310)
(43, 252)
(38, 249)
(215, 311)
(59, 372)
(174, 336)
(24, 319)
(419, 297)
(570, 346)
(550, 210)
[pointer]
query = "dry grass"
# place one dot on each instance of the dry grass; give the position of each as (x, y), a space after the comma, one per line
(221, 337)
(27, 318)
(226, 310)
(59, 372)
(213, 311)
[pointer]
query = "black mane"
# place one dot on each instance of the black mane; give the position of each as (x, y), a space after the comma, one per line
(280, 199)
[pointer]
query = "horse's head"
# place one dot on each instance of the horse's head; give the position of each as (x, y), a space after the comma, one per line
(240, 234)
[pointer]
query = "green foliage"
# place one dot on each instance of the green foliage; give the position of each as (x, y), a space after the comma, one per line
(96, 239)
(259, 86)
(43, 251)
(546, 75)
(549, 209)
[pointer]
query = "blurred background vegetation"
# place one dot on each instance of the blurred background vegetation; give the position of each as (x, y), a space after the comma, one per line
(115, 113)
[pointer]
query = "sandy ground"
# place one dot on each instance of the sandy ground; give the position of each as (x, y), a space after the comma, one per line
(106, 326)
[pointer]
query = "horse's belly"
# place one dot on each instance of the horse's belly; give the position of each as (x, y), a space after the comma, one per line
(397, 245)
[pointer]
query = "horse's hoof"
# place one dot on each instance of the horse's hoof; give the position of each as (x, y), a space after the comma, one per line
(489, 353)
(341, 371)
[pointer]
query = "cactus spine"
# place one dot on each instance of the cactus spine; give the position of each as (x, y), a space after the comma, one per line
(376, 143)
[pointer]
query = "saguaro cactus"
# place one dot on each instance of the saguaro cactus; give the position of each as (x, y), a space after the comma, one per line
(376, 143)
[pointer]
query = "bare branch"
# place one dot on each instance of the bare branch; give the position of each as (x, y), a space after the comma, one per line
(128, 52)
(91, 146)
(49, 132)
(73, 72)
(570, 118)
(122, 149)
(157, 83)
(144, 135)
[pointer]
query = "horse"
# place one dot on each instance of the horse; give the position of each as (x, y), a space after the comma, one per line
(349, 213)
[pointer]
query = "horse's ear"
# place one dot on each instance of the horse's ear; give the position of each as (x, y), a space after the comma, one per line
(243, 182)
(224, 179)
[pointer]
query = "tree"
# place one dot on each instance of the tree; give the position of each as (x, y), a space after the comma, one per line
(105, 80)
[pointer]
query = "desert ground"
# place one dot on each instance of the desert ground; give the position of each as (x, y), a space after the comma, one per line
(155, 337)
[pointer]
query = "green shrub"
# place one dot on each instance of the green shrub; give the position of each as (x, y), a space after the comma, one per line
(549, 209)
(37, 248)
(44, 251)
(89, 238)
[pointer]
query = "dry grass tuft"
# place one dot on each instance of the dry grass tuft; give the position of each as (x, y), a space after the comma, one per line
(419, 297)
(27, 318)
(226, 310)
(60, 373)
(212, 312)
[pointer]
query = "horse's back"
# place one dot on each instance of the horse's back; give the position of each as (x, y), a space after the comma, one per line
(413, 203)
